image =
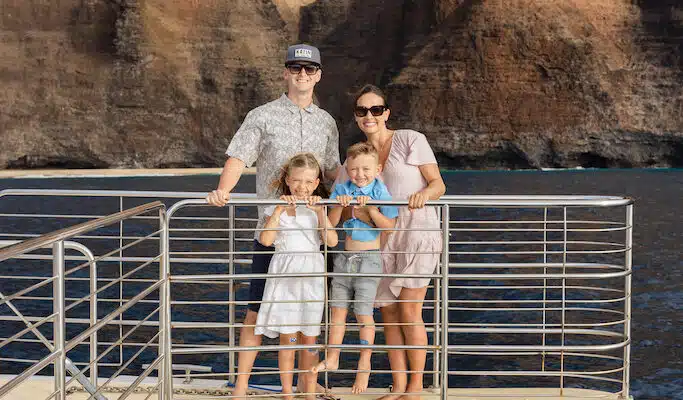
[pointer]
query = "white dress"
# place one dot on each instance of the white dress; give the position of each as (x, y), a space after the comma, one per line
(282, 310)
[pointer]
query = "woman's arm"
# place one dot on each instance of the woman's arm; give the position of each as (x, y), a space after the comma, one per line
(267, 237)
(434, 190)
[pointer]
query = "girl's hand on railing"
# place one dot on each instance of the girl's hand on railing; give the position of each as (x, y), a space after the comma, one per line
(218, 198)
(344, 200)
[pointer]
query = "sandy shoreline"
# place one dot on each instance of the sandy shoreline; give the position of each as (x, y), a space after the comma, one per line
(86, 173)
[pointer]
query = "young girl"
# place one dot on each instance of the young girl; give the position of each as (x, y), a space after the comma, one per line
(293, 307)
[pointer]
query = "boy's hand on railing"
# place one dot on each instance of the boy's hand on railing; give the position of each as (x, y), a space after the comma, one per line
(362, 201)
(345, 200)
(218, 197)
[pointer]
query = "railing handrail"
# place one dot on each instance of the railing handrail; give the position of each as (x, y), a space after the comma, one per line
(68, 233)
(455, 200)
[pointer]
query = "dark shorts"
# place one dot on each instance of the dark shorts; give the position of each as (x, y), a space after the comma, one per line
(259, 265)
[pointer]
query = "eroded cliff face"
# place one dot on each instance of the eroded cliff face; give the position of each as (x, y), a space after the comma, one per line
(511, 84)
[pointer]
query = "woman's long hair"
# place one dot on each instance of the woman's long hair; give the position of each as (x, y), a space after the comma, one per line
(301, 160)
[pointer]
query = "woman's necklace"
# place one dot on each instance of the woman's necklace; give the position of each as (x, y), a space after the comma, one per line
(382, 156)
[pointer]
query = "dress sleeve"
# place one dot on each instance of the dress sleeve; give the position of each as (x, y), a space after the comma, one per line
(246, 144)
(419, 151)
(269, 210)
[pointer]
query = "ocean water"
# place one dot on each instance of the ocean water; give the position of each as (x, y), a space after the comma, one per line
(657, 354)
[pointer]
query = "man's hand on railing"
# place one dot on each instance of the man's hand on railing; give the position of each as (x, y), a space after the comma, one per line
(218, 197)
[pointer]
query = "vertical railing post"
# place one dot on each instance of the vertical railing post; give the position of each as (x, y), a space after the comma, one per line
(59, 325)
(437, 328)
(165, 370)
(564, 295)
(445, 260)
(545, 284)
(628, 264)
(231, 293)
(93, 321)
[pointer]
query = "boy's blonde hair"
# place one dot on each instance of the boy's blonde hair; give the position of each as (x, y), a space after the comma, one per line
(362, 148)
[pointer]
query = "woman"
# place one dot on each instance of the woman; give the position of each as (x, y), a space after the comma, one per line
(410, 172)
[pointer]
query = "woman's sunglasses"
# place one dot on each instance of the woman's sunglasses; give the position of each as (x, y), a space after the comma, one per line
(295, 69)
(374, 110)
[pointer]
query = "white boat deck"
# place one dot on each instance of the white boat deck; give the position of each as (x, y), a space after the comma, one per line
(40, 387)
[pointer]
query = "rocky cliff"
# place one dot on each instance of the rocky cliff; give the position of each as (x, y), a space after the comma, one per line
(493, 84)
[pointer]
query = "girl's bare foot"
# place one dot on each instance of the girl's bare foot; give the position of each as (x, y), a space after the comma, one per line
(361, 383)
(326, 365)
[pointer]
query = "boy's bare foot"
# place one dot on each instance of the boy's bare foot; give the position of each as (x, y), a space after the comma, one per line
(326, 365)
(361, 383)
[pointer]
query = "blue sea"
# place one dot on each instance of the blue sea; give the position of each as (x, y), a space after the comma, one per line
(657, 335)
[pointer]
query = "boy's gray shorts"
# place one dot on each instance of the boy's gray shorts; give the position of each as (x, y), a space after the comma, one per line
(364, 287)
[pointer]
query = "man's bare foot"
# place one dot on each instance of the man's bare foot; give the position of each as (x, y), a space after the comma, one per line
(361, 383)
(287, 394)
(393, 395)
(239, 393)
(326, 365)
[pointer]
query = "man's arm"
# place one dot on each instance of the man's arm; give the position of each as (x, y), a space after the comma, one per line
(232, 171)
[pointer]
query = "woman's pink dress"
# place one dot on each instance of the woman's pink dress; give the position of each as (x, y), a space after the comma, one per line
(420, 246)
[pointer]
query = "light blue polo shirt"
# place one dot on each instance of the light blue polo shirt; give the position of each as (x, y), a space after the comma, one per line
(377, 190)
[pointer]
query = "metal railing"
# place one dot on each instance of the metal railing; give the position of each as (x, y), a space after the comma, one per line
(531, 289)
(59, 346)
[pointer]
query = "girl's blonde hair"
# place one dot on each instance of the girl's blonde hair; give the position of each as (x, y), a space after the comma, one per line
(301, 160)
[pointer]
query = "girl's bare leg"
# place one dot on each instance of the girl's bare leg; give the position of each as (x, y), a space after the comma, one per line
(337, 330)
(285, 360)
(415, 334)
(308, 358)
(397, 358)
(367, 336)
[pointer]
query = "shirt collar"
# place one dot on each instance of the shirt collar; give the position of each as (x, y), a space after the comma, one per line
(292, 107)
(365, 190)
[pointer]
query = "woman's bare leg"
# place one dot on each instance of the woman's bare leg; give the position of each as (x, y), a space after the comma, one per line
(397, 358)
(367, 336)
(415, 334)
(337, 330)
(285, 361)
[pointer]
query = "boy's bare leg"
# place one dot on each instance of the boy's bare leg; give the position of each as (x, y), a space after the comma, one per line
(285, 361)
(367, 337)
(337, 330)
(245, 359)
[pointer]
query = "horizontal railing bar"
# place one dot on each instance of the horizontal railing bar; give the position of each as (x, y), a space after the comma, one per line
(26, 330)
(13, 296)
(535, 265)
(67, 233)
(532, 242)
(521, 309)
(29, 372)
(227, 349)
(491, 347)
(75, 341)
(568, 331)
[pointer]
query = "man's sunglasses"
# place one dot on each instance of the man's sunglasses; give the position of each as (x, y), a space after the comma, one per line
(295, 69)
(374, 110)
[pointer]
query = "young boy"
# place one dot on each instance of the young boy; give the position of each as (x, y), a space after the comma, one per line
(362, 257)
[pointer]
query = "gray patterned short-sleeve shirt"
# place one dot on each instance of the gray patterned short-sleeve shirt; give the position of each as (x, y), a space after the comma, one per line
(274, 132)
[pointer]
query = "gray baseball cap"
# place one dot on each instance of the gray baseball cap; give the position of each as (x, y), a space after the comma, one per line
(303, 52)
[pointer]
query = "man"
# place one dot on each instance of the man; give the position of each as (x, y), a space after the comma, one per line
(268, 137)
